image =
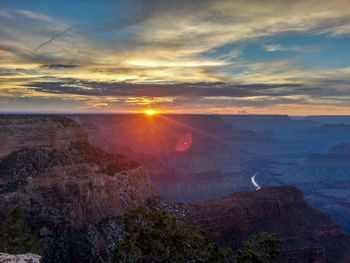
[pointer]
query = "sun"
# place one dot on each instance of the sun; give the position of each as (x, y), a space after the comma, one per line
(150, 112)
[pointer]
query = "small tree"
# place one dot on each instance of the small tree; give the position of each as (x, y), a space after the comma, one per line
(260, 248)
(160, 237)
(16, 236)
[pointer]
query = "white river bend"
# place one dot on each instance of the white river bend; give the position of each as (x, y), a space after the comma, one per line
(256, 185)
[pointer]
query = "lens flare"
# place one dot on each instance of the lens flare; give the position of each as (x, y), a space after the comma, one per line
(184, 143)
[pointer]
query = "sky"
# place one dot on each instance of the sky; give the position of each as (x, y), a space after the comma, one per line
(224, 57)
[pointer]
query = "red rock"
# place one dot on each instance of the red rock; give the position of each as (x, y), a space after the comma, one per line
(307, 235)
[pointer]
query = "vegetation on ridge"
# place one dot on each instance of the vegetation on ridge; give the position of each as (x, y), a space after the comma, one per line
(159, 237)
(16, 236)
(261, 248)
(17, 166)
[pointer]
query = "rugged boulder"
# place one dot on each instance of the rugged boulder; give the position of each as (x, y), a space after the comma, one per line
(22, 258)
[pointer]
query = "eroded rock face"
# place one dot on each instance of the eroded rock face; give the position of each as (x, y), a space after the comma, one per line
(22, 258)
(324, 179)
(307, 235)
(50, 168)
(93, 243)
(190, 157)
(35, 131)
(76, 185)
(68, 187)
(76, 194)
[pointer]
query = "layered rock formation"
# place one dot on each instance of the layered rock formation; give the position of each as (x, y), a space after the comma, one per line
(22, 258)
(72, 186)
(307, 235)
(76, 194)
(65, 184)
(193, 187)
(37, 131)
(324, 178)
(89, 243)
(190, 157)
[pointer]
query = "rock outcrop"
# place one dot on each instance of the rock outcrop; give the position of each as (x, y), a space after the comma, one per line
(72, 186)
(90, 243)
(21, 258)
(307, 235)
(37, 131)
(324, 179)
(68, 187)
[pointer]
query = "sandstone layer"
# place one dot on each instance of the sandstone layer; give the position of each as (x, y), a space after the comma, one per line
(37, 131)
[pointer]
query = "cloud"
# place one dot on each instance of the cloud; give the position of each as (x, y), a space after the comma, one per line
(210, 24)
(58, 34)
(150, 47)
(123, 89)
(58, 66)
(318, 88)
(37, 16)
(175, 53)
(5, 14)
(278, 47)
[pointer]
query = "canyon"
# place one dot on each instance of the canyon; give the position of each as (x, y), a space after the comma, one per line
(75, 194)
(226, 151)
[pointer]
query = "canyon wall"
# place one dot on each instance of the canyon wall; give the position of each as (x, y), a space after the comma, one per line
(75, 196)
(37, 131)
(306, 234)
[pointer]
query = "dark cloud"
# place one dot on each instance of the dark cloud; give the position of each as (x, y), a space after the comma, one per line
(204, 94)
(58, 66)
(10, 72)
(123, 89)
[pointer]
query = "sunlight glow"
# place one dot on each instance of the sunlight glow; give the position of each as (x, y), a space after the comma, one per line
(150, 112)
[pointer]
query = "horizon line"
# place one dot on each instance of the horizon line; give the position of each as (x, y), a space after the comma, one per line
(165, 113)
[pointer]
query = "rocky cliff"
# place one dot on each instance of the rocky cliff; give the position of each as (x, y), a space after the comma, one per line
(37, 131)
(307, 235)
(76, 194)
(65, 184)
(324, 179)
(61, 179)
(72, 186)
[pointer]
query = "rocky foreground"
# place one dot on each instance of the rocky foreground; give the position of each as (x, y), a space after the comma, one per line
(75, 196)
(22, 258)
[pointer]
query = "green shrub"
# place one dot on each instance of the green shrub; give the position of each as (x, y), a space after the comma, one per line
(16, 236)
(260, 248)
(160, 237)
